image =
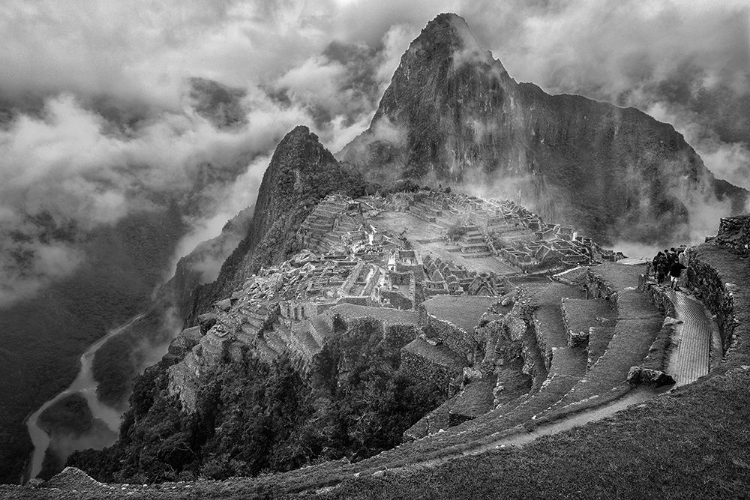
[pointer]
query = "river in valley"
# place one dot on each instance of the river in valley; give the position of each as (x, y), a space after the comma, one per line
(84, 385)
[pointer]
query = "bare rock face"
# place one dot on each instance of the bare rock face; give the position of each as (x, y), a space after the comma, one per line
(453, 114)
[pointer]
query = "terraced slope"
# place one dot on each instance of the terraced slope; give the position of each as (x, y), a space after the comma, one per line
(565, 382)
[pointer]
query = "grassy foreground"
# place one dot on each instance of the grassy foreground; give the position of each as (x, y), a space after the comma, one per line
(692, 443)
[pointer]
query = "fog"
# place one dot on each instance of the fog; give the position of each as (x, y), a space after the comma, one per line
(95, 104)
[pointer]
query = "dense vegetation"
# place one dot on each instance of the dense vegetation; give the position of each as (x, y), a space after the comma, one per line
(43, 338)
(253, 417)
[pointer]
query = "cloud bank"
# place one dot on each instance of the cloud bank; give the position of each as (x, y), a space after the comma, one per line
(96, 102)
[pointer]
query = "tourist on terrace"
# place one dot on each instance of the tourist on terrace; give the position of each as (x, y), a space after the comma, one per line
(660, 267)
(674, 272)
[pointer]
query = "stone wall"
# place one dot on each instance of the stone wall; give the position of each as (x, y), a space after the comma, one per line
(397, 300)
(660, 299)
(714, 293)
(734, 233)
(598, 288)
(452, 336)
(435, 363)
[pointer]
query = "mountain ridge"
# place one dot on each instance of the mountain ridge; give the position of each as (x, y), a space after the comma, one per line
(453, 114)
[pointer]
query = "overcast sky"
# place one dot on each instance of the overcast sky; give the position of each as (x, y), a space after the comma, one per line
(112, 77)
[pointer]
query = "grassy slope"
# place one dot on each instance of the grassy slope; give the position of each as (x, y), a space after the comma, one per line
(692, 444)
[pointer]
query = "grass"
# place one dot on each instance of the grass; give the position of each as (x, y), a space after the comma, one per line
(692, 444)
(464, 312)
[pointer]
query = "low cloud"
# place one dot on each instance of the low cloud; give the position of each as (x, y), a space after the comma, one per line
(94, 104)
(686, 64)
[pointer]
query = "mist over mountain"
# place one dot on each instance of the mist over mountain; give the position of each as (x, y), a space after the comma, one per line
(453, 114)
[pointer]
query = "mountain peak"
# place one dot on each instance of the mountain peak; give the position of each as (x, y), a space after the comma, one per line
(451, 32)
(453, 114)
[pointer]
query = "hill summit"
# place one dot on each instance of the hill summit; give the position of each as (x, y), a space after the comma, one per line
(453, 114)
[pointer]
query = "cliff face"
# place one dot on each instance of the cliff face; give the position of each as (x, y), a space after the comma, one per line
(453, 114)
(300, 174)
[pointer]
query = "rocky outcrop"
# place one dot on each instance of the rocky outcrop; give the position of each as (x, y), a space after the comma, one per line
(452, 113)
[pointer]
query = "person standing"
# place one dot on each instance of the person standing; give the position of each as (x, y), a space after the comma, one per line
(674, 273)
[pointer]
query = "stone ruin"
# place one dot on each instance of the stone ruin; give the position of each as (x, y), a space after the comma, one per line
(355, 265)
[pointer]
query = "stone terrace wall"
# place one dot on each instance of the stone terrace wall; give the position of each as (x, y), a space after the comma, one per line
(598, 288)
(452, 336)
(435, 363)
(734, 233)
(660, 299)
(714, 293)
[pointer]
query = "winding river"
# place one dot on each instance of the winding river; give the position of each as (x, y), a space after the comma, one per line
(85, 385)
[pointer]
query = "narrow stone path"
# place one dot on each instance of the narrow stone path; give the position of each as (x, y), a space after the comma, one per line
(692, 360)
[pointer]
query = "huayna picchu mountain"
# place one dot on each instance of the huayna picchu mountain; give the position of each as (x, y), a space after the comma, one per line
(300, 174)
(453, 114)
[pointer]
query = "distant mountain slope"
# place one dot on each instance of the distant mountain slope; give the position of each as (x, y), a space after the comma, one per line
(453, 114)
